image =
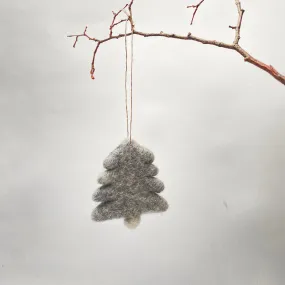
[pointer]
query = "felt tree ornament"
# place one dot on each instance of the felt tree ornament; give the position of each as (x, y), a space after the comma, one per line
(129, 186)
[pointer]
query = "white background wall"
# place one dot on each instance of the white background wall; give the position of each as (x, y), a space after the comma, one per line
(215, 124)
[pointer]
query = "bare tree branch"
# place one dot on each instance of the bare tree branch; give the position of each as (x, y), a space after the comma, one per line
(234, 46)
(196, 7)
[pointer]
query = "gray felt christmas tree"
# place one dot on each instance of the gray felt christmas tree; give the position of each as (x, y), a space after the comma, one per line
(129, 188)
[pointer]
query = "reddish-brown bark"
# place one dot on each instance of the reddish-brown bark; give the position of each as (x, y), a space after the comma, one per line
(234, 46)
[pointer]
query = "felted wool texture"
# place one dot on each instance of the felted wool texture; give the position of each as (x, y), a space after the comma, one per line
(129, 188)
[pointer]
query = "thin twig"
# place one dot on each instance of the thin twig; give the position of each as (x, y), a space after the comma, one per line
(82, 35)
(131, 4)
(121, 21)
(92, 71)
(131, 20)
(238, 26)
(196, 7)
(113, 24)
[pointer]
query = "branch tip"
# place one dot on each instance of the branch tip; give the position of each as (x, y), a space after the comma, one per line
(196, 7)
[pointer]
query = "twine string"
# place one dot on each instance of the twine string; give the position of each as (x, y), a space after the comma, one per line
(129, 118)
(126, 78)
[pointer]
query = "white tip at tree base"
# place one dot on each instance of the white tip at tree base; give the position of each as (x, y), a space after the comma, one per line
(132, 223)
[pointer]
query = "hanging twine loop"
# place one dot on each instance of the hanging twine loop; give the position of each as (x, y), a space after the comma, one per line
(129, 118)
(126, 78)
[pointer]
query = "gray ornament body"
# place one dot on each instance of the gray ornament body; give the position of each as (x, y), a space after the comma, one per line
(129, 188)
